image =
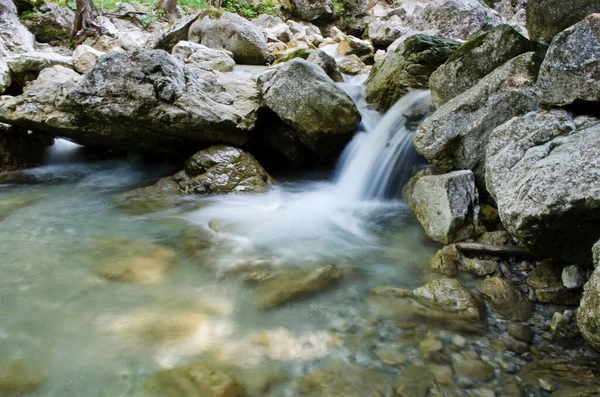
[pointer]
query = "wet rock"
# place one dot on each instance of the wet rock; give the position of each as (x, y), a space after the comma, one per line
(391, 355)
(506, 299)
(546, 279)
(476, 59)
(481, 267)
(446, 205)
(571, 69)
(456, 135)
(563, 327)
(222, 170)
(443, 374)
(14, 37)
(547, 18)
(194, 380)
(327, 63)
(158, 197)
(573, 277)
(85, 57)
(584, 391)
(588, 315)
(17, 379)
(132, 261)
(351, 64)
(552, 156)
(409, 66)
(50, 23)
(563, 371)
(343, 380)
(20, 149)
(429, 347)
(520, 332)
(294, 285)
(225, 30)
(199, 55)
(414, 381)
(455, 19)
(305, 98)
(446, 261)
(499, 237)
(165, 106)
(474, 370)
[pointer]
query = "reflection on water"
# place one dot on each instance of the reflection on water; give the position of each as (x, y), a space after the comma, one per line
(96, 332)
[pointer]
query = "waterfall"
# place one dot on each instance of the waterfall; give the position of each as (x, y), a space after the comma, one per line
(381, 158)
(63, 152)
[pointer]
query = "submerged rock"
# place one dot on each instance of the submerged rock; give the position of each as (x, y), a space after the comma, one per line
(289, 286)
(145, 103)
(225, 30)
(456, 135)
(304, 97)
(343, 380)
(446, 205)
(132, 261)
(553, 157)
(17, 379)
(194, 380)
(506, 299)
(571, 69)
(445, 302)
(474, 370)
(547, 18)
(414, 381)
(409, 66)
(476, 59)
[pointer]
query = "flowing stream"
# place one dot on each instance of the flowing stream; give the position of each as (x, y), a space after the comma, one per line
(89, 336)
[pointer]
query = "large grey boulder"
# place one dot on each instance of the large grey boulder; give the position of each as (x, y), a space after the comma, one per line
(180, 31)
(50, 23)
(306, 99)
(146, 103)
(327, 63)
(14, 37)
(275, 28)
(547, 18)
(384, 33)
(5, 77)
(588, 315)
(476, 59)
(571, 69)
(455, 19)
(409, 66)
(197, 54)
(224, 30)
(456, 135)
(311, 10)
(446, 205)
(542, 169)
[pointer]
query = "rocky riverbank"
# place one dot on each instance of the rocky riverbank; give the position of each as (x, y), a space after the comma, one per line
(509, 305)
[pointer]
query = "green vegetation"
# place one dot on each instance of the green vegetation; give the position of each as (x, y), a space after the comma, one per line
(338, 8)
(248, 9)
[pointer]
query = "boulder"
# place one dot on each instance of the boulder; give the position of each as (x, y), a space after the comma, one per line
(199, 55)
(456, 135)
(351, 64)
(224, 30)
(180, 31)
(351, 45)
(384, 33)
(571, 69)
(545, 278)
(5, 77)
(553, 158)
(304, 97)
(149, 103)
(327, 63)
(26, 66)
(588, 315)
(409, 66)
(50, 23)
(344, 380)
(198, 379)
(547, 18)
(506, 299)
(596, 254)
(293, 285)
(311, 10)
(275, 28)
(573, 277)
(14, 37)
(447, 206)
(20, 149)
(85, 57)
(476, 59)
(455, 19)
(446, 261)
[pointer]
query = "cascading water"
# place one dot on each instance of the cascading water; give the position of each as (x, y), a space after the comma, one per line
(380, 160)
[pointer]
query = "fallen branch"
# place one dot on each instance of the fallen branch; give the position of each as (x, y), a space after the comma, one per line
(495, 250)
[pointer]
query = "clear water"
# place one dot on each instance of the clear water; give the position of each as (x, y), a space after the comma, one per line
(89, 336)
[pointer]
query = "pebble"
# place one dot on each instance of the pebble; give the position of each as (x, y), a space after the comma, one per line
(520, 332)
(458, 340)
